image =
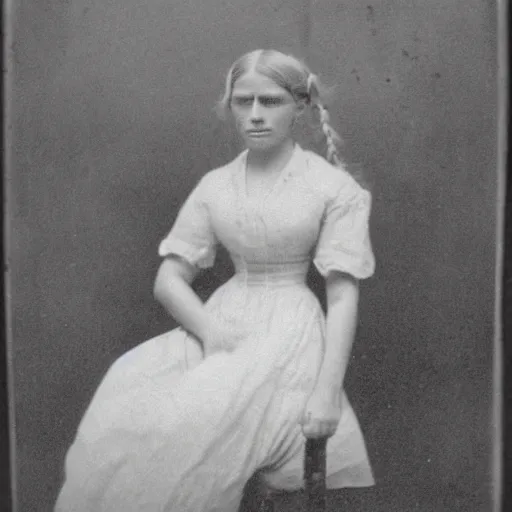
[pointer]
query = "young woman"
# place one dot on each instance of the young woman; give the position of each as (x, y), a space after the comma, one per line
(182, 422)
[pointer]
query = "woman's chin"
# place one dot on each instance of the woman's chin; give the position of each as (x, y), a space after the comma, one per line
(262, 144)
(259, 143)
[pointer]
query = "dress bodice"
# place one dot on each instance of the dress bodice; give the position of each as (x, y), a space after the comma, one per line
(315, 212)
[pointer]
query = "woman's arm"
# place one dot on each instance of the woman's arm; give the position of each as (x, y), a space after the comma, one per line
(173, 290)
(323, 410)
(342, 305)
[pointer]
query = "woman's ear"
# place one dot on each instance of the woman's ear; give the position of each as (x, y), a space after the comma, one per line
(301, 107)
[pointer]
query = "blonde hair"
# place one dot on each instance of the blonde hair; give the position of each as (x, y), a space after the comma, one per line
(294, 76)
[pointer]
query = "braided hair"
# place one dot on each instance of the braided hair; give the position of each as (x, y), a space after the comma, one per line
(331, 136)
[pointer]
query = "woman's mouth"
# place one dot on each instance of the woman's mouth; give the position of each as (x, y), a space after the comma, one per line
(258, 133)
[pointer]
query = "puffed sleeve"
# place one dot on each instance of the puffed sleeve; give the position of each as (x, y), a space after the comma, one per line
(192, 236)
(344, 241)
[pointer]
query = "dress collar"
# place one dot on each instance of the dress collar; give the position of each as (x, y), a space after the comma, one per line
(295, 165)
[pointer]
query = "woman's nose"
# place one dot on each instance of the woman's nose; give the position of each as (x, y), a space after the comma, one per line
(256, 112)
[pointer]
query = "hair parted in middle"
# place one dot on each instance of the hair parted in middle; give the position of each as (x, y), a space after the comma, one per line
(294, 76)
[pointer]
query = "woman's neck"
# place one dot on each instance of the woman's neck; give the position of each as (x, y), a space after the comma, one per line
(267, 161)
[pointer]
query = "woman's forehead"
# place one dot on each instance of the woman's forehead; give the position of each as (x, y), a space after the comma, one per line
(253, 82)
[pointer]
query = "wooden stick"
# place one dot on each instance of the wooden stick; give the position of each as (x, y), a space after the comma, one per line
(315, 474)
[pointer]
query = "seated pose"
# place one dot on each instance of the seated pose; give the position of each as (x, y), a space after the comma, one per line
(181, 422)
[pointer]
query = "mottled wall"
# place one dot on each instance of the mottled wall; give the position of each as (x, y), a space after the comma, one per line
(112, 126)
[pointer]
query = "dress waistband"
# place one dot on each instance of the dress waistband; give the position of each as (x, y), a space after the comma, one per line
(271, 274)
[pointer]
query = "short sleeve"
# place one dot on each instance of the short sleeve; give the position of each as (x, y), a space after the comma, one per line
(344, 242)
(192, 237)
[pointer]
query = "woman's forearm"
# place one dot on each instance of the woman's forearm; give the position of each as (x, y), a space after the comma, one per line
(173, 291)
(342, 301)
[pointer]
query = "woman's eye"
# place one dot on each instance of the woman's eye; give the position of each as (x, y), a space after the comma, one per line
(243, 101)
(270, 101)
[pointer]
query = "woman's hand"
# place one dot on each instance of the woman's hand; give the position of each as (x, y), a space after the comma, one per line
(223, 336)
(321, 415)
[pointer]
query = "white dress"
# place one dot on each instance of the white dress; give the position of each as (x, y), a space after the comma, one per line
(171, 431)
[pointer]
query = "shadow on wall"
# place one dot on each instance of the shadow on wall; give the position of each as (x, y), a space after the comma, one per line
(113, 125)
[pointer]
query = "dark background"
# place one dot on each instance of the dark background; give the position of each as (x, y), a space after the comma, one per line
(113, 123)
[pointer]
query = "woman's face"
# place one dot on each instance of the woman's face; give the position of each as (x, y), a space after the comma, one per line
(264, 112)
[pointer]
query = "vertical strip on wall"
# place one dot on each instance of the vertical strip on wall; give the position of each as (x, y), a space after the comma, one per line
(502, 272)
(8, 101)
